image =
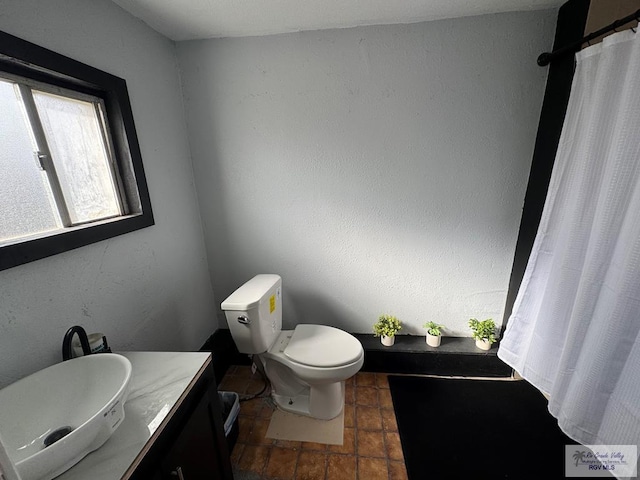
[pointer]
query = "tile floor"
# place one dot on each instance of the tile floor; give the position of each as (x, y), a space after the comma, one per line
(371, 448)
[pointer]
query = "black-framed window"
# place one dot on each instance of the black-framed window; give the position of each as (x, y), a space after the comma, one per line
(70, 165)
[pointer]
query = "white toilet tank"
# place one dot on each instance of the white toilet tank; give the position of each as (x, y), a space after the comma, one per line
(254, 313)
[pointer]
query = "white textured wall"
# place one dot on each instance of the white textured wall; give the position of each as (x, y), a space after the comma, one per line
(377, 169)
(146, 290)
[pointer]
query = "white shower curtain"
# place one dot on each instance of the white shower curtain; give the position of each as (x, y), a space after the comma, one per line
(574, 328)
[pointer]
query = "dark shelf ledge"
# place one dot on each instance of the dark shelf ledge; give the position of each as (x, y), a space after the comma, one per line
(411, 354)
(417, 343)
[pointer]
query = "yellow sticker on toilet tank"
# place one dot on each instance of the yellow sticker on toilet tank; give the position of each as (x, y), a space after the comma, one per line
(272, 303)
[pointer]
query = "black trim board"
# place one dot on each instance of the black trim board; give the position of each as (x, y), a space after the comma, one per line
(572, 19)
(224, 352)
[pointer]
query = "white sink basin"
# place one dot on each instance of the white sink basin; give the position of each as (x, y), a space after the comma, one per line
(85, 394)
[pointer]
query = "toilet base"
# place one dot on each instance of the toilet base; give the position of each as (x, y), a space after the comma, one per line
(323, 402)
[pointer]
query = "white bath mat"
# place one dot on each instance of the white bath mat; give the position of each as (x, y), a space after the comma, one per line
(289, 426)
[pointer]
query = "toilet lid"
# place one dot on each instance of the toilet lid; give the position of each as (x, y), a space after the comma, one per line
(322, 346)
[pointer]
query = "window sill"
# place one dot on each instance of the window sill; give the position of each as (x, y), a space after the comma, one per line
(52, 243)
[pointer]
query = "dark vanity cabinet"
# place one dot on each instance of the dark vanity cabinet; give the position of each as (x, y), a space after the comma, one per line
(192, 445)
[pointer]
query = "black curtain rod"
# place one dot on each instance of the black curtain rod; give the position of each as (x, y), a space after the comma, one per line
(547, 57)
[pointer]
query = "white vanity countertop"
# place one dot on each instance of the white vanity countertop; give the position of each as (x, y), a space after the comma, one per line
(158, 382)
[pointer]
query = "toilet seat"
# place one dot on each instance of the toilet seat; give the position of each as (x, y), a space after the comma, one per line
(322, 346)
(313, 390)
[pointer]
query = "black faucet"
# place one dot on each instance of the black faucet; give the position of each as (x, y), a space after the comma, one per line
(66, 343)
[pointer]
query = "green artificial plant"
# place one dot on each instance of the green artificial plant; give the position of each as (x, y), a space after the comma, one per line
(484, 330)
(386, 326)
(433, 328)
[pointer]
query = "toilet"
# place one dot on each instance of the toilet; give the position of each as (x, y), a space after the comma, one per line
(306, 366)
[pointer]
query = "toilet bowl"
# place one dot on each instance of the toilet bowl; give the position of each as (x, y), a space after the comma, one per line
(306, 366)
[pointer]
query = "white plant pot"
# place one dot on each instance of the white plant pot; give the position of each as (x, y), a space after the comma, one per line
(387, 341)
(433, 340)
(483, 344)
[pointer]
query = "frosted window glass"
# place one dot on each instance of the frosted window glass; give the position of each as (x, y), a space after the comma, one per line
(26, 202)
(77, 148)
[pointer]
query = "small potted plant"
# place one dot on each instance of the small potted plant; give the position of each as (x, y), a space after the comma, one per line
(386, 328)
(484, 332)
(434, 333)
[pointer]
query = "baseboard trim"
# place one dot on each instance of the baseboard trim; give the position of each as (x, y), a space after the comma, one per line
(224, 352)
